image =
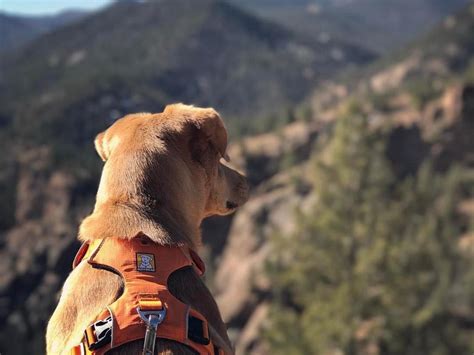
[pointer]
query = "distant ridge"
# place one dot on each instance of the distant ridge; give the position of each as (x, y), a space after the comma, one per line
(140, 56)
(18, 30)
(379, 25)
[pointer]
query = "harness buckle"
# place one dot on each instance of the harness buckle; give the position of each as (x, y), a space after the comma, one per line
(152, 319)
(99, 333)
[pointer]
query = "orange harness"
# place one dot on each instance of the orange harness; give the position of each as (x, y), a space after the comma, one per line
(146, 309)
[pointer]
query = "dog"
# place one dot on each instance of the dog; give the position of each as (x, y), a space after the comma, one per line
(163, 174)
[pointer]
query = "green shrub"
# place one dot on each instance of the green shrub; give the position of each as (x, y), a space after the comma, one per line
(422, 91)
(374, 266)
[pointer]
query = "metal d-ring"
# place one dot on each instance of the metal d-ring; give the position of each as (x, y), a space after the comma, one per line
(152, 320)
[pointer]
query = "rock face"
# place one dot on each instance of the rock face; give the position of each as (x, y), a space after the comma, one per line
(263, 156)
(457, 127)
(36, 254)
(240, 285)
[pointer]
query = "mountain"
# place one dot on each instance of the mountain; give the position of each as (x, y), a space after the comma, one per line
(59, 91)
(422, 100)
(421, 68)
(139, 57)
(16, 31)
(379, 25)
(82, 78)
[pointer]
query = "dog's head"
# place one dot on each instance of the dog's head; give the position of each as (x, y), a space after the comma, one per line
(169, 163)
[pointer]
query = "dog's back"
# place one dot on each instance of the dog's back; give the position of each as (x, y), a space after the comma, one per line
(162, 177)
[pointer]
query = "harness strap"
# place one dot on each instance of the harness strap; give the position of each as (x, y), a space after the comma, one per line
(146, 309)
(99, 333)
(88, 248)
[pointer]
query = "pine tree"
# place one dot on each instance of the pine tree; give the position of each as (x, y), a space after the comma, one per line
(372, 268)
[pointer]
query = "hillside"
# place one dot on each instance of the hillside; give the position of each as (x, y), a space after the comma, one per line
(420, 69)
(381, 26)
(421, 103)
(17, 31)
(152, 58)
(59, 91)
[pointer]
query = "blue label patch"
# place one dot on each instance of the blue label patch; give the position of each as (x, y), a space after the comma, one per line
(145, 262)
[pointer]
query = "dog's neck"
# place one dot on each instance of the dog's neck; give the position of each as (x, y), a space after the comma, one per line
(131, 202)
(164, 225)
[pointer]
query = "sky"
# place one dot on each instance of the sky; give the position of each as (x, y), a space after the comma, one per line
(44, 7)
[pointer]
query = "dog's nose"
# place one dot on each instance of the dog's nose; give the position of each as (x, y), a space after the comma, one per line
(231, 205)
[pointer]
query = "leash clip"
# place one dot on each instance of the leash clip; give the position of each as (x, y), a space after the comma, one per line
(152, 320)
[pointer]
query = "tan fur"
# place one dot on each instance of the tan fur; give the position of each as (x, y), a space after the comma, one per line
(162, 177)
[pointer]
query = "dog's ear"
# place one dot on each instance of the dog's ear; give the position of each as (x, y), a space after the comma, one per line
(208, 131)
(211, 129)
(206, 126)
(101, 146)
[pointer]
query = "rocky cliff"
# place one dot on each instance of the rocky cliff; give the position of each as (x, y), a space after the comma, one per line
(428, 113)
(441, 131)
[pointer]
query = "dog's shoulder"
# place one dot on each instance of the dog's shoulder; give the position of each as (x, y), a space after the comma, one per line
(86, 292)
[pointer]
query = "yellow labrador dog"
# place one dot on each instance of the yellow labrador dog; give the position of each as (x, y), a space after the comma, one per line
(162, 176)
